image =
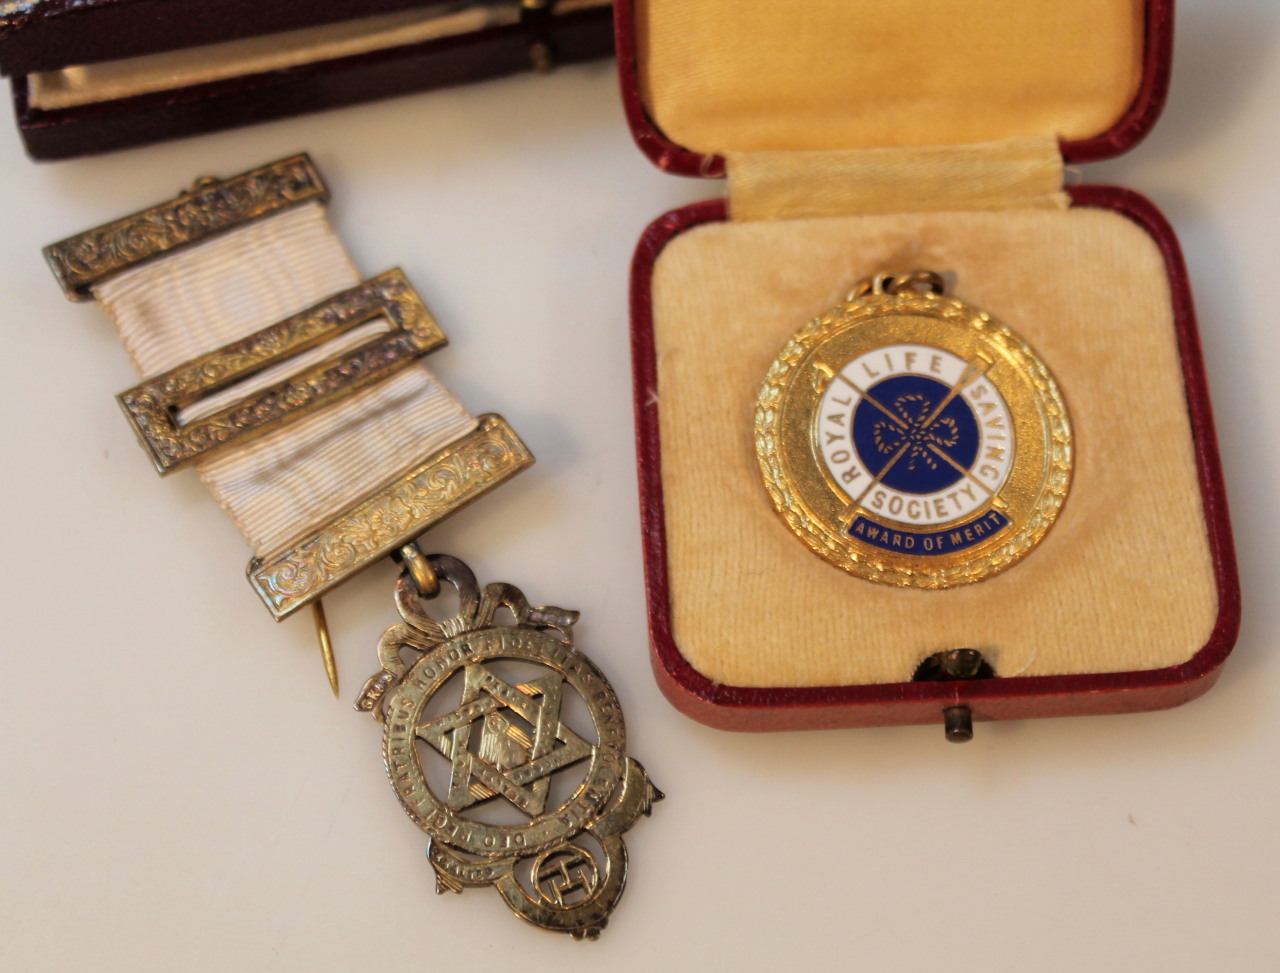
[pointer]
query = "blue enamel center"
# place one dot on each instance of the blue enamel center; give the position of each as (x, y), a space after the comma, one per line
(899, 425)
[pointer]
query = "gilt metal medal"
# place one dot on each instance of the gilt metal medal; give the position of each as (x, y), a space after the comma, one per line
(912, 440)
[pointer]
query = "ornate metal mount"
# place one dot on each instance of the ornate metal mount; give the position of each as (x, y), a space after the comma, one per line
(210, 207)
(505, 742)
(440, 485)
(152, 407)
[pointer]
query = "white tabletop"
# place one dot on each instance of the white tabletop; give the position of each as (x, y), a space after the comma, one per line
(181, 792)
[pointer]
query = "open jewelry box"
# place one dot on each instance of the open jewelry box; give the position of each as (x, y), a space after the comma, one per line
(860, 138)
(95, 75)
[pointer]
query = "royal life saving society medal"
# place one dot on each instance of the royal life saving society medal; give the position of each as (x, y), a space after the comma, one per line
(911, 439)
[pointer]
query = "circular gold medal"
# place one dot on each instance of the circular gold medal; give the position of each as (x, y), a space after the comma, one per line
(912, 440)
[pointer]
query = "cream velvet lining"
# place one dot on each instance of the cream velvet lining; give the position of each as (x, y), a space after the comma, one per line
(167, 71)
(722, 76)
(1124, 579)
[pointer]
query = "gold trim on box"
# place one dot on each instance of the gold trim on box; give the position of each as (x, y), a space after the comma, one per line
(210, 207)
(414, 502)
(152, 407)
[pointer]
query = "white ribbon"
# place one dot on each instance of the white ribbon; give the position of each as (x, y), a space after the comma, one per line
(289, 481)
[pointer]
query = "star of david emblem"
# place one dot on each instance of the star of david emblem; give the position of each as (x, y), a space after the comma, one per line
(507, 739)
(509, 761)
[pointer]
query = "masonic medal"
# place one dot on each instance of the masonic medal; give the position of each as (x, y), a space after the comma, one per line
(294, 387)
(911, 439)
(503, 737)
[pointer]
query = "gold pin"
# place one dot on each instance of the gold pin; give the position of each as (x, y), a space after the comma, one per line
(326, 645)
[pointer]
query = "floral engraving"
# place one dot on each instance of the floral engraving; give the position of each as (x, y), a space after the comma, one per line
(151, 406)
(211, 207)
(447, 481)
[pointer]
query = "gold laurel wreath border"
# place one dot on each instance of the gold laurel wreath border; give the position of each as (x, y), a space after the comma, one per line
(830, 544)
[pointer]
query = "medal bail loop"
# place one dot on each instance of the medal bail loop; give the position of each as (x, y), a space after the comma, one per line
(425, 579)
(917, 281)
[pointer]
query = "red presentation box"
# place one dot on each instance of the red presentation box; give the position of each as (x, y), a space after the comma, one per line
(857, 137)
